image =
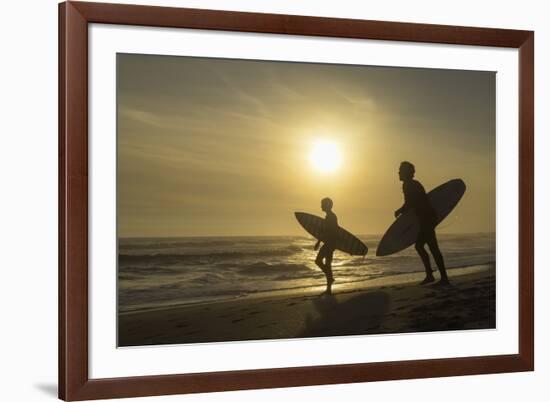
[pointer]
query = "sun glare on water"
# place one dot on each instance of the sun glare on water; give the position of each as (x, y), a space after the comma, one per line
(325, 156)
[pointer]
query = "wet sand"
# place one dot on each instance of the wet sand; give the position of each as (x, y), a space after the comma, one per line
(394, 304)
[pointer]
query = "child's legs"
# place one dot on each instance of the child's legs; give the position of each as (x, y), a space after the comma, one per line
(324, 260)
(320, 257)
(328, 262)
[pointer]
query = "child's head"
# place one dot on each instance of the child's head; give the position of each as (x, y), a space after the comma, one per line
(326, 204)
(406, 171)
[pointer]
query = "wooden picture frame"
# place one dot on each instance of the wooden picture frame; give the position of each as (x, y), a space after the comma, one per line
(74, 381)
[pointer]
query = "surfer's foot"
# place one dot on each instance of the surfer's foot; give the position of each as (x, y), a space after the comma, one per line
(428, 279)
(328, 291)
(443, 282)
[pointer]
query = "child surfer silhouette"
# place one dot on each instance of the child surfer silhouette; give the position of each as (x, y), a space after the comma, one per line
(328, 237)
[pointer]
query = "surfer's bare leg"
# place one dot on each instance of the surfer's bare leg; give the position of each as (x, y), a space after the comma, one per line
(324, 261)
(330, 281)
(328, 267)
(436, 252)
(419, 246)
(319, 260)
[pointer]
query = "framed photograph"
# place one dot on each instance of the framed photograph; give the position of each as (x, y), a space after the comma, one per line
(259, 200)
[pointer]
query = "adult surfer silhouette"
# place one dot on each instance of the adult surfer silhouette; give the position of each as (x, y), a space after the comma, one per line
(329, 238)
(417, 200)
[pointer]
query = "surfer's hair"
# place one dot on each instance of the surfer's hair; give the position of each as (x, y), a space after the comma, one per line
(327, 201)
(408, 168)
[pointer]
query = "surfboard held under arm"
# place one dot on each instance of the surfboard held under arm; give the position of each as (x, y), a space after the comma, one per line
(346, 242)
(404, 230)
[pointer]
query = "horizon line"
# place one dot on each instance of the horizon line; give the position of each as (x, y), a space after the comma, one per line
(280, 235)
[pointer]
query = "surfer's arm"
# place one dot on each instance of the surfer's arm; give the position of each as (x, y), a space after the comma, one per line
(407, 204)
(401, 210)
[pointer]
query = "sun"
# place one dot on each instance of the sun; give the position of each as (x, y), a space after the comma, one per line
(325, 156)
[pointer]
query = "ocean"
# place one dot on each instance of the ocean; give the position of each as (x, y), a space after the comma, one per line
(162, 272)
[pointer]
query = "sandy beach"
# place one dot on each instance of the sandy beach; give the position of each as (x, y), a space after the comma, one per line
(393, 304)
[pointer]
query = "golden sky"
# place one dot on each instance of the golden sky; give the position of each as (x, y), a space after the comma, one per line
(212, 147)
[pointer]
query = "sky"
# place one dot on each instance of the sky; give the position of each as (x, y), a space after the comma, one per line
(222, 147)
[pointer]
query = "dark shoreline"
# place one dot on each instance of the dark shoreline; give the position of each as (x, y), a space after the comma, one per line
(386, 306)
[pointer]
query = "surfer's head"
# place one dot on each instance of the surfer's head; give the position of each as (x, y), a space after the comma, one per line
(326, 204)
(406, 171)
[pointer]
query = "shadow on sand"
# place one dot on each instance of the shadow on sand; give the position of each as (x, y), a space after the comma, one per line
(357, 315)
